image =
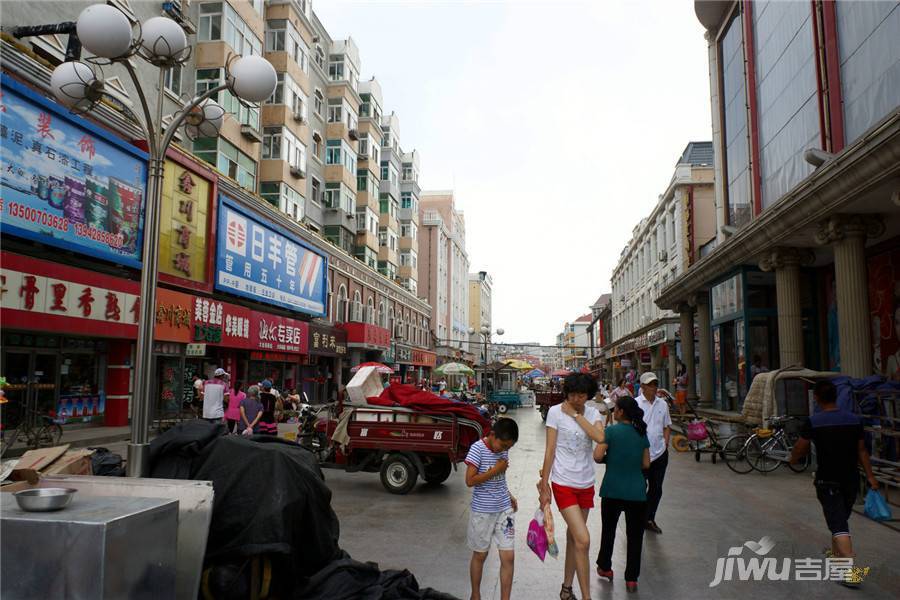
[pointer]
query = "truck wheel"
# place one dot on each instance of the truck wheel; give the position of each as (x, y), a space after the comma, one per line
(502, 409)
(544, 411)
(398, 474)
(438, 471)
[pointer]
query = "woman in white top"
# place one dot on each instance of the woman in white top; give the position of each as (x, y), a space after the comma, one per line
(568, 474)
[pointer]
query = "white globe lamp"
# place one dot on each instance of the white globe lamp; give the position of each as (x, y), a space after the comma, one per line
(205, 120)
(104, 31)
(71, 83)
(500, 332)
(252, 78)
(163, 38)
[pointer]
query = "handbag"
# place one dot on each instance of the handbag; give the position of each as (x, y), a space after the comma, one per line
(696, 431)
(876, 506)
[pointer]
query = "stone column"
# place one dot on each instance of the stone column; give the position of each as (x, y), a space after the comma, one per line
(786, 263)
(704, 338)
(847, 234)
(673, 364)
(686, 312)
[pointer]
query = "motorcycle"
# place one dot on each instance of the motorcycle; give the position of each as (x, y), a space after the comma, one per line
(309, 434)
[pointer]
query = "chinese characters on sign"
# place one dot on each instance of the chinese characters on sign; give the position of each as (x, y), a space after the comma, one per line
(327, 341)
(183, 223)
(364, 334)
(257, 261)
(279, 333)
(67, 184)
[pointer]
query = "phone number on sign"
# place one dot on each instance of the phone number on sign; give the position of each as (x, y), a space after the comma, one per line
(34, 215)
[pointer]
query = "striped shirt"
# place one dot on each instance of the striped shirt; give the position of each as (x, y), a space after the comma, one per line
(493, 495)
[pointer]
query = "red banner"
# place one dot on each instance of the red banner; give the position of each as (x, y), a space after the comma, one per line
(365, 334)
(278, 334)
(424, 358)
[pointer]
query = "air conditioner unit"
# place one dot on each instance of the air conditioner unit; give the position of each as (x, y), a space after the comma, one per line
(663, 256)
(298, 116)
(298, 172)
(353, 135)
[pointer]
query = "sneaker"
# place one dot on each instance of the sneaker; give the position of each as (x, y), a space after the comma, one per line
(855, 577)
(652, 526)
(605, 574)
(631, 586)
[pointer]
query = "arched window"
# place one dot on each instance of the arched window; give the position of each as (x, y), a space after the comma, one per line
(331, 299)
(342, 305)
(370, 311)
(391, 320)
(382, 316)
(356, 313)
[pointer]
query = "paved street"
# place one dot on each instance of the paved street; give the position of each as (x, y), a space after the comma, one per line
(705, 509)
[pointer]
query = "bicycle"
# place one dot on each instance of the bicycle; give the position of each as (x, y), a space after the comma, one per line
(40, 431)
(735, 453)
(767, 449)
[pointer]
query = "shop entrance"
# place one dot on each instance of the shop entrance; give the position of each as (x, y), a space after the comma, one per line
(32, 380)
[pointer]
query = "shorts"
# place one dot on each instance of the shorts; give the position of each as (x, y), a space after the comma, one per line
(837, 499)
(499, 527)
(568, 496)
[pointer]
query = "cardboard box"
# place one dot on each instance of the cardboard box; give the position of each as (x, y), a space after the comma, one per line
(365, 384)
(73, 462)
(58, 460)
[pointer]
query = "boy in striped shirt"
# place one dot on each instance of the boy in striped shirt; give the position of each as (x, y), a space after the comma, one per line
(493, 507)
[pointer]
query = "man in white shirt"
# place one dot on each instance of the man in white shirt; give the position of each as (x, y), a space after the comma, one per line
(215, 391)
(659, 428)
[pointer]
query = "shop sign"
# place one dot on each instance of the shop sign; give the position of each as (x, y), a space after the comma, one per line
(272, 356)
(221, 323)
(184, 222)
(657, 336)
(367, 335)
(173, 316)
(257, 261)
(195, 350)
(403, 354)
(281, 334)
(413, 356)
(44, 296)
(67, 183)
(167, 348)
(645, 357)
(327, 341)
(625, 363)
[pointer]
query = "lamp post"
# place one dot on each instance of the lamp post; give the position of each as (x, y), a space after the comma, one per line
(106, 32)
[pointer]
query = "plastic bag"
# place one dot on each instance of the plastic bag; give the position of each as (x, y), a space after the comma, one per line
(537, 537)
(552, 548)
(877, 507)
(696, 431)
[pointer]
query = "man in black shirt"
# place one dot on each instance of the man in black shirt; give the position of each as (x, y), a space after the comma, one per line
(838, 436)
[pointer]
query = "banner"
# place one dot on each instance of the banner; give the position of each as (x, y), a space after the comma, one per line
(257, 261)
(67, 183)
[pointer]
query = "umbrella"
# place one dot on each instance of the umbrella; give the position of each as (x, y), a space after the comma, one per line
(560, 373)
(384, 369)
(535, 373)
(453, 368)
(520, 365)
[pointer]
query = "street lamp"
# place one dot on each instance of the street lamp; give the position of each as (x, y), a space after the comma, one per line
(107, 33)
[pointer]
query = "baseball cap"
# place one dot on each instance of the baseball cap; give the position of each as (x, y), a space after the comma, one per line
(220, 372)
(649, 377)
(266, 384)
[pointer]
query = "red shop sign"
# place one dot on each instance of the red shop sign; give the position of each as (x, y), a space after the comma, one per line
(278, 334)
(424, 358)
(364, 334)
(221, 324)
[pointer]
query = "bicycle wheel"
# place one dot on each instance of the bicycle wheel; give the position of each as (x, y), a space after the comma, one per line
(804, 462)
(734, 452)
(759, 455)
(49, 435)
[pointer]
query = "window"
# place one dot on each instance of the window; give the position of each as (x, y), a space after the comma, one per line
(339, 152)
(363, 145)
(218, 21)
(409, 173)
(227, 159)
(316, 187)
(271, 146)
(210, 26)
(408, 229)
(206, 79)
(320, 57)
(336, 67)
(319, 102)
(339, 196)
(382, 237)
(365, 108)
(280, 144)
(281, 36)
(284, 198)
(384, 171)
(333, 152)
(409, 258)
(335, 105)
(385, 138)
(173, 79)
(407, 201)
(734, 135)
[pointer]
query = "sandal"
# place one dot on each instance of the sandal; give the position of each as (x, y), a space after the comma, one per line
(566, 593)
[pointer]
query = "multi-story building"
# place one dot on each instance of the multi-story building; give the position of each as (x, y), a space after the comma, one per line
(444, 270)
(679, 230)
(389, 198)
(597, 333)
(806, 131)
(480, 317)
(574, 342)
(409, 221)
(368, 173)
(288, 169)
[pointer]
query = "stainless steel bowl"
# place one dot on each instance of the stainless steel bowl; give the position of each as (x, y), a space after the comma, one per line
(44, 499)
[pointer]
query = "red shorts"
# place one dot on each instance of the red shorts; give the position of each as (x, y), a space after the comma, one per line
(569, 496)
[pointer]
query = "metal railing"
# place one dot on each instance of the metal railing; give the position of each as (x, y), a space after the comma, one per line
(880, 411)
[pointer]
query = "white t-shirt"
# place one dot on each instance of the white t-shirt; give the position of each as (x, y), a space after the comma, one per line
(214, 399)
(574, 463)
(657, 418)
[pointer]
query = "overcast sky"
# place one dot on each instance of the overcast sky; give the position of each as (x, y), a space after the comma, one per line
(557, 123)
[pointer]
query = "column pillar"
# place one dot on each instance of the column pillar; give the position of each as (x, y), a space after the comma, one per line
(118, 383)
(704, 335)
(686, 313)
(847, 234)
(786, 263)
(673, 364)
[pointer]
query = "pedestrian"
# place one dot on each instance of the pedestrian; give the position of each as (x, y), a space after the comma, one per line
(840, 449)
(267, 424)
(215, 395)
(233, 412)
(492, 514)
(251, 411)
(680, 381)
(659, 429)
(626, 452)
(568, 474)
(197, 400)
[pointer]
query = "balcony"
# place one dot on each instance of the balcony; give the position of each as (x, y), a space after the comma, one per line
(386, 220)
(409, 214)
(407, 243)
(389, 187)
(386, 254)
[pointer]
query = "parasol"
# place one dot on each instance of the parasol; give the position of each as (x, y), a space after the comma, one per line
(453, 368)
(535, 373)
(517, 364)
(383, 369)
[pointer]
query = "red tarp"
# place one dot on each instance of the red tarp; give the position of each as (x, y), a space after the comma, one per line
(409, 396)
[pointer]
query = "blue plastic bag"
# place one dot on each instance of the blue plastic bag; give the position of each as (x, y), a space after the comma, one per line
(877, 507)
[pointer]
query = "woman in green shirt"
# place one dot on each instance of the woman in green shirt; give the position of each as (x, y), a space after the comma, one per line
(626, 452)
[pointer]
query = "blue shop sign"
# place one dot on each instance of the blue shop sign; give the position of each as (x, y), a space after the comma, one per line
(258, 261)
(66, 182)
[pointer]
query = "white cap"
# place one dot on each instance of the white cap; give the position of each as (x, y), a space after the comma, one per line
(220, 372)
(648, 377)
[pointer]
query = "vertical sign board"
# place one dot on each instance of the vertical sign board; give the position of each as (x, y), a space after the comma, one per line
(261, 262)
(66, 183)
(183, 225)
